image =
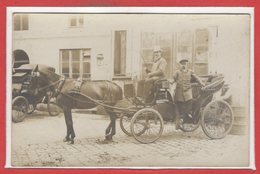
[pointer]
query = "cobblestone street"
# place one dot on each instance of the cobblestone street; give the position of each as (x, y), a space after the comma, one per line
(37, 142)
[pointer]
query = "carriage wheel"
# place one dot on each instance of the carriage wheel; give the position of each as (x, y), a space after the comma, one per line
(31, 108)
(125, 123)
(19, 108)
(189, 127)
(217, 119)
(147, 125)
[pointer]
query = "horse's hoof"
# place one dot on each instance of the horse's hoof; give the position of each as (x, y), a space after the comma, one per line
(66, 139)
(108, 137)
(105, 141)
(70, 142)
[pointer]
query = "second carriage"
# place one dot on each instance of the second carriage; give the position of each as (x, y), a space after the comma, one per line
(24, 96)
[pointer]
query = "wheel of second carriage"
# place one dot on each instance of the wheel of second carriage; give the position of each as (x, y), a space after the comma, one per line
(31, 108)
(19, 108)
(217, 119)
(147, 125)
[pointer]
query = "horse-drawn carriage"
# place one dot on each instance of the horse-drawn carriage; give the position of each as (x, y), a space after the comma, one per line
(213, 113)
(143, 120)
(25, 96)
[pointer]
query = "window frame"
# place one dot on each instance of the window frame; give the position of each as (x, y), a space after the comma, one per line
(123, 65)
(80, 61)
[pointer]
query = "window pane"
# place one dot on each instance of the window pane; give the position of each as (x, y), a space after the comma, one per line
(25, 22)
(66, 75)
(75, 75)
(75, 55)
(17, 22)
(86, 67)
(81, 21)
(65, 55)
(73, 22)
(201, 69)
(75, 67)
(202, 36)
(86, 76)
(65, 67)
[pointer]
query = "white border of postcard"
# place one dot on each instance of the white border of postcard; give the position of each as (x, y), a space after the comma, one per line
(129, 10)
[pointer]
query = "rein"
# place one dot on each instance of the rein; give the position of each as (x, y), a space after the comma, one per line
(97, 102)
(50, 85)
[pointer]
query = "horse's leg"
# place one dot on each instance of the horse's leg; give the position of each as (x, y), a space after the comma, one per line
(67, 137)
(69, 123)
(108, 130)
(113, 117)
(111, 129)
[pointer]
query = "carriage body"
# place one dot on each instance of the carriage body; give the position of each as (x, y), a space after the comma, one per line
(208, 104)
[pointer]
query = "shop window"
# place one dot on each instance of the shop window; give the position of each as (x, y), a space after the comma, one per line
(75, 63)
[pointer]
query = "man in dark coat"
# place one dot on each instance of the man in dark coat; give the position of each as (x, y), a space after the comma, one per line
(183, 93)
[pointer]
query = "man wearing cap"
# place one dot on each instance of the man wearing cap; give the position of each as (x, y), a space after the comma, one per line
(183, 93)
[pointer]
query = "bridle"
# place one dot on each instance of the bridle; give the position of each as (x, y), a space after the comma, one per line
(59, 83)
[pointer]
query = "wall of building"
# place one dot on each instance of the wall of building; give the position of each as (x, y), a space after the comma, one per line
(48, 34)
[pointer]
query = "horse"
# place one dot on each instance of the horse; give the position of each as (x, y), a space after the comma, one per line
(75, 94)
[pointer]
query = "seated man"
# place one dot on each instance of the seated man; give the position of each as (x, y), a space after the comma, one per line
(156, 73)
(183, 93)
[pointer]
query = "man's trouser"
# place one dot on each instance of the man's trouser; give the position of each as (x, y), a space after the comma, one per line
(184, 108)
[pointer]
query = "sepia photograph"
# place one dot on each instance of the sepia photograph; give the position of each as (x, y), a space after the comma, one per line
(144, 88)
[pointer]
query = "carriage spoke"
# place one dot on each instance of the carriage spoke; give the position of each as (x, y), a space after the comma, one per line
(147, 125)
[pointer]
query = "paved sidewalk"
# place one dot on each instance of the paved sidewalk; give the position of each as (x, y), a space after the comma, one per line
(37, 142)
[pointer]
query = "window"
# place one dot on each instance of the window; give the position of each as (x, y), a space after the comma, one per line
(194, 47)
(75, 63)
(120, 53)
(21, 22)
(201, 51)
(76, 21)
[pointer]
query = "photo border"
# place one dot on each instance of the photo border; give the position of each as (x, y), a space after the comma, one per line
(252, 72)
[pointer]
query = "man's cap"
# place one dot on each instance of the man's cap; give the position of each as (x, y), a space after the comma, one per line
(183, 61)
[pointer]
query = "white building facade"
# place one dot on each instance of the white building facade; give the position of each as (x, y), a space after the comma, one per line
(118, 46)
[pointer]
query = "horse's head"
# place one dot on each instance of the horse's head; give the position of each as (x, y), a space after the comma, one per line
(42, 77)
